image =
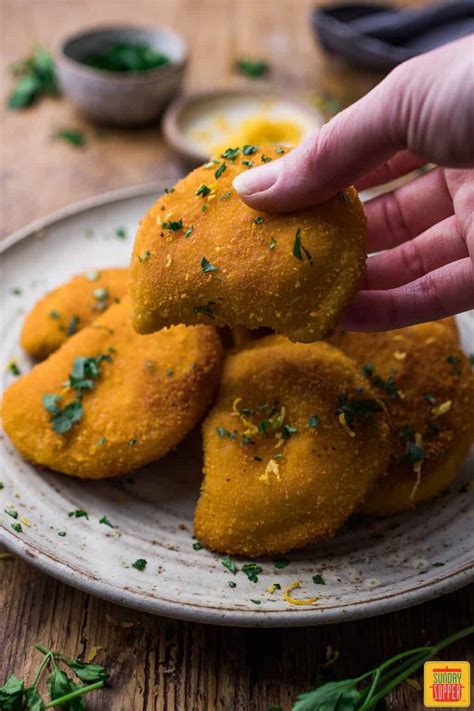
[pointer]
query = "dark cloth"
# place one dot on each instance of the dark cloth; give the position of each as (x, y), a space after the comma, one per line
(379, 36)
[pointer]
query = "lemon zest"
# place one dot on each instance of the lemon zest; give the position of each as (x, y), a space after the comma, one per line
(294, 601)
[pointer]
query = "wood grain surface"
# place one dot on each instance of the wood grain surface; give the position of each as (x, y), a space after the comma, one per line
(157, 663)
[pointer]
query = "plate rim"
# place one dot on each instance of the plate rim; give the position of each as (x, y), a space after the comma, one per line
(188, 611)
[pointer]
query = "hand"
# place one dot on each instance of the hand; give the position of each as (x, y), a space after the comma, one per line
(422, 112)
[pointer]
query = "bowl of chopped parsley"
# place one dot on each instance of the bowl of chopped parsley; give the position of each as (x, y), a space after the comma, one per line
(122, 75)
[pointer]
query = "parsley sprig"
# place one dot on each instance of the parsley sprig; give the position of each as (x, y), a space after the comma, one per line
(63, 691)
(366, 691)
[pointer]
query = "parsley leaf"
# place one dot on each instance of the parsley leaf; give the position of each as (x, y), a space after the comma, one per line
(299, 250)
(231, 153)
(313, 421)
(249, 150)
(203, 190)
(207, 266)
(252, 68)
(281, 563)
(71, 136)
(318, 579)
(173, 226)
(72, 326)
(140, 564)
(228, 563)
(252, 571)
(220, 170)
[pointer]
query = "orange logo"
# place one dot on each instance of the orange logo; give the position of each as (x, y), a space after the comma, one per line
(447, 684)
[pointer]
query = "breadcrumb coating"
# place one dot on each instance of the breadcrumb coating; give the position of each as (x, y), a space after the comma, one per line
(202, 256)
(427, 385)
(67, 309)
(283, 466)
(150, 392)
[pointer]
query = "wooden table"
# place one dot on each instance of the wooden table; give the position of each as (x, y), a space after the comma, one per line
(157, 663)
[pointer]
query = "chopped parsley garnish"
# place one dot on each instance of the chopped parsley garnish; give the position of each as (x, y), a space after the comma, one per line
(204, 208)
(140, 564)
(73, 137)
(207, 266)
(299, 250)
(16, 291)
(85, 371)
(258, 459)
(259, 220)
(389, 385)
(281, 563)
(197, 546)
(246, 440)
(288, 431)
(62, 418)
(169, 373)
(223, 432)
(232, 584)
(121, 233)
(313, 422)
(145, 256)
(256, 602)
(131, 442)
(220, 170)
(455, 362)
(13, 368)
(429, 397)
(126, 57)
(248, 163)
(169, 190)
(205, 309)
(437, 565)
(357, 409)
(231, 153)
(252, 571)
(249, 150)
(106, 522)
(203, 190)
(92, 276)
(226, 196)
(266, 159)
(188, 231)
(252, 68)
(413, 453)
(318, 579)
(62, 533)
(173, 225)
(368, 370)
(78, 513)
(280, 151)
(72, 325)
(11, 512)
(272, 244)
(17, 527)
(54, 314)
(35, 78)
(228, 563)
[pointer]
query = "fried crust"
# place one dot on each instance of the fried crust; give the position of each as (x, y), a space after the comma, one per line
(265, 276)
(435, 401)
(253, 500)
(70, 307)
(154, 390)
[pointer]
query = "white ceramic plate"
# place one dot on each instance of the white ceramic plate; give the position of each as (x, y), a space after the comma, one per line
(369, 568)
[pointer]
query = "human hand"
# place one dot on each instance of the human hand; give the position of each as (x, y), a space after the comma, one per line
(422, 112)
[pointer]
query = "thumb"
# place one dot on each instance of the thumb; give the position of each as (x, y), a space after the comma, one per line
(354, 142)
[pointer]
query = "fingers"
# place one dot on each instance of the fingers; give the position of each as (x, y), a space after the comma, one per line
(443, 292)
(441, 244)
(351, 144)
(401, 164)
(400, 215)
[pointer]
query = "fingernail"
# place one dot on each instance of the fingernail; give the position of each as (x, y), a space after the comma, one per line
(256, 180)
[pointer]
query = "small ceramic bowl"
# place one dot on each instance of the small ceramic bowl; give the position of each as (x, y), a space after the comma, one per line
(120, 97)
(217, 113)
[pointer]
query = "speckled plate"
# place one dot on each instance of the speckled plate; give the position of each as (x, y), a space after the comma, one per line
(369, 568)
